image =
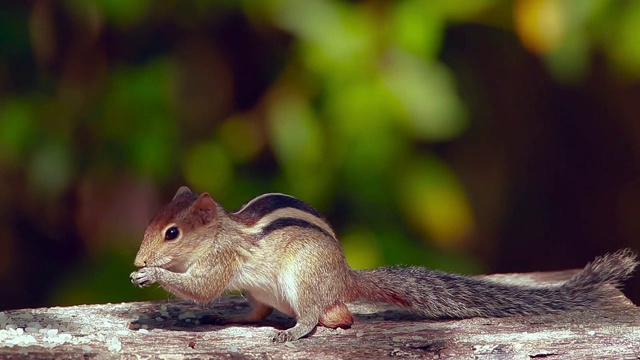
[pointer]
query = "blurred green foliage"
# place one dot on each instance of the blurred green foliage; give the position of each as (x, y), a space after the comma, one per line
(339, 103)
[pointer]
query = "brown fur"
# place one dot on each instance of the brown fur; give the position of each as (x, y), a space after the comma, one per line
(337, 316)
(298, 267)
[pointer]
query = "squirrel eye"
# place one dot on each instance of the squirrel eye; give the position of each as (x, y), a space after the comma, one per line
(171, 233)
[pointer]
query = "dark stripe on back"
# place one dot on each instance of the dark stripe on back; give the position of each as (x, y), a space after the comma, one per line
(286, 222)
(269, 204)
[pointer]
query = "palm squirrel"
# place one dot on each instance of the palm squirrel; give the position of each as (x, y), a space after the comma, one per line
(282, 254)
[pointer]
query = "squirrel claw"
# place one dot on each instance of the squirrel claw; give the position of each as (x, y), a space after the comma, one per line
(140, 278)
(282, 336)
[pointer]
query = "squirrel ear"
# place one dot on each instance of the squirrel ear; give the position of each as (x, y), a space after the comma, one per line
(181, 192)
(205, 208)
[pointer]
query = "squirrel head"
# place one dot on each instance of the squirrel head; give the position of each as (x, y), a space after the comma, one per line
(175, 234)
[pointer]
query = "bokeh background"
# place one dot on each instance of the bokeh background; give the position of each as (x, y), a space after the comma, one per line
(466, 135)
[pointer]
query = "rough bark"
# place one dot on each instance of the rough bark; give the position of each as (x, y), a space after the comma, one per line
(172, 329)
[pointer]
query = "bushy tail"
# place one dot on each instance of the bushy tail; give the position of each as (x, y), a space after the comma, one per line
(437, 294)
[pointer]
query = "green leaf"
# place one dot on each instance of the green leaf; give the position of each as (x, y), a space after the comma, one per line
(417, 27)
(297, 140)
(51, 167)
(435, 203)
(17, 128)
(428, 104)
(207, 167)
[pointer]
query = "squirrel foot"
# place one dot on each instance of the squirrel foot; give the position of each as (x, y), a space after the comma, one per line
(143, 277)
(295, 333)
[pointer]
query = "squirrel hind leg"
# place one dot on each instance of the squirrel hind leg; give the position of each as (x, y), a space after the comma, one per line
(337, 316)
(303, 327)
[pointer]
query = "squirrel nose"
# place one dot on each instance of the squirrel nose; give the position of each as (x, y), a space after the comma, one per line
(139, 262)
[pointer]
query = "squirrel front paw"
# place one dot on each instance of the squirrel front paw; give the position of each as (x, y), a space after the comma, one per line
(143, 277)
